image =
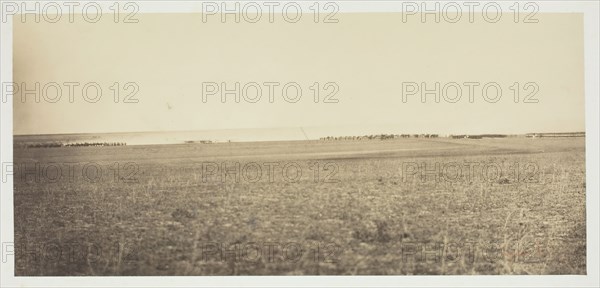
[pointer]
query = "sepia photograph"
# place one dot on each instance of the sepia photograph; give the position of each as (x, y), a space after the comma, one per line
(297, 139)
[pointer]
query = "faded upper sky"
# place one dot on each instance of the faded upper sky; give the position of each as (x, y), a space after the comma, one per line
(368, 56)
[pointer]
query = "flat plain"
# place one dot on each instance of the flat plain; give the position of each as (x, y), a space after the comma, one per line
(351, 207)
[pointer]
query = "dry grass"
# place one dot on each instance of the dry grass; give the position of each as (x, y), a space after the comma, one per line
(366, 222)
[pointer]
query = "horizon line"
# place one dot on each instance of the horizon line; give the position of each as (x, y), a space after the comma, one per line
(406, 133)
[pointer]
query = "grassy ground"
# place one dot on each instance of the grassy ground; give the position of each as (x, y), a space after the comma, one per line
(358, 207)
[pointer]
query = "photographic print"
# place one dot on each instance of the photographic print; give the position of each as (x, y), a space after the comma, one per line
(299, 139)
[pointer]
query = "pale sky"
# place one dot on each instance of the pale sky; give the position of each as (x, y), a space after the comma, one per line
(368, 56)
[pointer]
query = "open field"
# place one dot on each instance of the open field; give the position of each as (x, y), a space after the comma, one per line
(337, 208)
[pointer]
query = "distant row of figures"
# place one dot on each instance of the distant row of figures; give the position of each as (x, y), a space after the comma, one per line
(564, 134)
(380, 137)
(59, 144)
(451, 136)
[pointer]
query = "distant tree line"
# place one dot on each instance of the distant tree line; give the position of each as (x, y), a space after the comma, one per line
(78, 144)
